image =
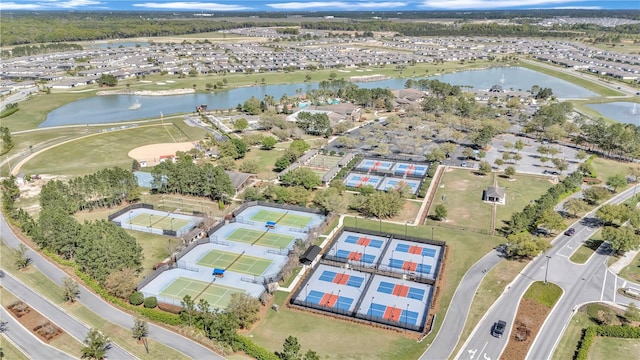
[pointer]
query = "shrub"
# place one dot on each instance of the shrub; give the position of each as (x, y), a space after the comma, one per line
(170, 308)
(150, 302)
(136, 298)
(241, 343)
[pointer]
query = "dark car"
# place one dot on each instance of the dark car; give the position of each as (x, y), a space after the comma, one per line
(498, 328)
(570, 231)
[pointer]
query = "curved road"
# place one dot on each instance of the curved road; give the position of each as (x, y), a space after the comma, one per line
(103, 309)
(455, 318)
(581, 283)
(69, 324)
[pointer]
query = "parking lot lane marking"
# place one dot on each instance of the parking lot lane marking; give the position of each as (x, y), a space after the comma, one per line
(472, 353)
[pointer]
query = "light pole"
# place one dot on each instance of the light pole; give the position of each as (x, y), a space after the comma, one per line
(406, 223)
(432, 233)
(546, 271)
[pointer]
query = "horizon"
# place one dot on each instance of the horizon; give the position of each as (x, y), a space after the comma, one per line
(283, 6)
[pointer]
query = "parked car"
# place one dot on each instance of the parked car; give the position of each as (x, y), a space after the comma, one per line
(570, 231)
(464, 164)
(498, 328)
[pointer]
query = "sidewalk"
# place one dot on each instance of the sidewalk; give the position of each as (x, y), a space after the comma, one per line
(624, 261)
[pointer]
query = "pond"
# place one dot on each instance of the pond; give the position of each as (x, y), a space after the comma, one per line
(624, 112)
(119, 108)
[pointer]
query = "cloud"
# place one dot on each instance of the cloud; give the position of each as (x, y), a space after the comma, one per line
(490, 4)
(337, 5)
(191, 5)
(48, 5)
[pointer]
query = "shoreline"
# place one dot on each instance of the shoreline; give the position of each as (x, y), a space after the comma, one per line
(146, 92)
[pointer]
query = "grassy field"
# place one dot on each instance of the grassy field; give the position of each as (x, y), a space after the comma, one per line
(569, 343)
(64, 342)
(520, 191)
(38, 282)
(544, 294)
(92, 153)
(604, 347)
(584, 252)
(488, 292)
(462, 194)
(10, 351)
(265, 160)
(389, 345)
(632, 271)
(584, 82)
(606, 168)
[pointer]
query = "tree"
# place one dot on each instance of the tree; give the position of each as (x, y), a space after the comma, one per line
(436, 154)
(96, 345)
(140, 331)
(595, 194)
(245, 308)
(441, 212)
(303, 177)
(249, 166)
(612, 213)
(290, 349)
(188, 309)
(468, 153)
(382, 204)
(227, 163)
(632, 313)
(121, 283)
(108, 80)
(269, 142)
(621, 239)
(70, 289)
(311, 355)
(560, 164)
(240, 124)
(300, 146)
(550, 219)
(574, 205)
(484, 167)
(524, 245)
(22, 258)
(510, 171)
(331, 200)
(581, 155)
(616, 181)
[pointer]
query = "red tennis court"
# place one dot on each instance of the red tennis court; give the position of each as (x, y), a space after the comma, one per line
(400, 290)
(364, 241)
(392, 313)
(329, 300)
(341, 279)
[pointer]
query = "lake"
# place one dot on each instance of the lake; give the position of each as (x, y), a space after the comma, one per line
(116, 108)
(624, 112)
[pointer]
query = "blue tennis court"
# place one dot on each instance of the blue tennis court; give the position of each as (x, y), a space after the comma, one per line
(329, 300)
(374, 165)
(358, 180)
(364, 241)
(391, 183)
(393, 314)
(401, 290)
(416, 250)
(410, 169)
(356, 256)
(342, 279)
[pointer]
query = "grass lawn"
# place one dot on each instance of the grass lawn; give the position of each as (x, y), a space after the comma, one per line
(92, 153)
(584, 82)
(265, 160)
(289, 280)
(10, 351)
(408, 212)
(584, 252)
(389, 345)
(546, 295)
(632, 271)
(64, 342)
(38, 282)
(606, 168)
(462, 194)
(488, 292)
(520, 191)
(569, 343)
(603, 348)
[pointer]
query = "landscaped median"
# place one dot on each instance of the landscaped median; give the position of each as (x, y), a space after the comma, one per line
(535, 306)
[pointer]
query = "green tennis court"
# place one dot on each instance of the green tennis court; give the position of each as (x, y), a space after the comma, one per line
(218, 296)
(158, 222)
(244, 264)
(268, 239)
(284, 219)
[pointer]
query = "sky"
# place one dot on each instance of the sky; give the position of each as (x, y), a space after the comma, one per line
(312, 5)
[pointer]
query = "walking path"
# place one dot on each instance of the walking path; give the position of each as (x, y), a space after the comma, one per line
(624, 261)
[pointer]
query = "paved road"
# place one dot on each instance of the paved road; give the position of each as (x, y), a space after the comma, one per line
(103, 309)
(28, 342)
(17, 97)
(581, 283)
(69, 324)
(456, 316)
